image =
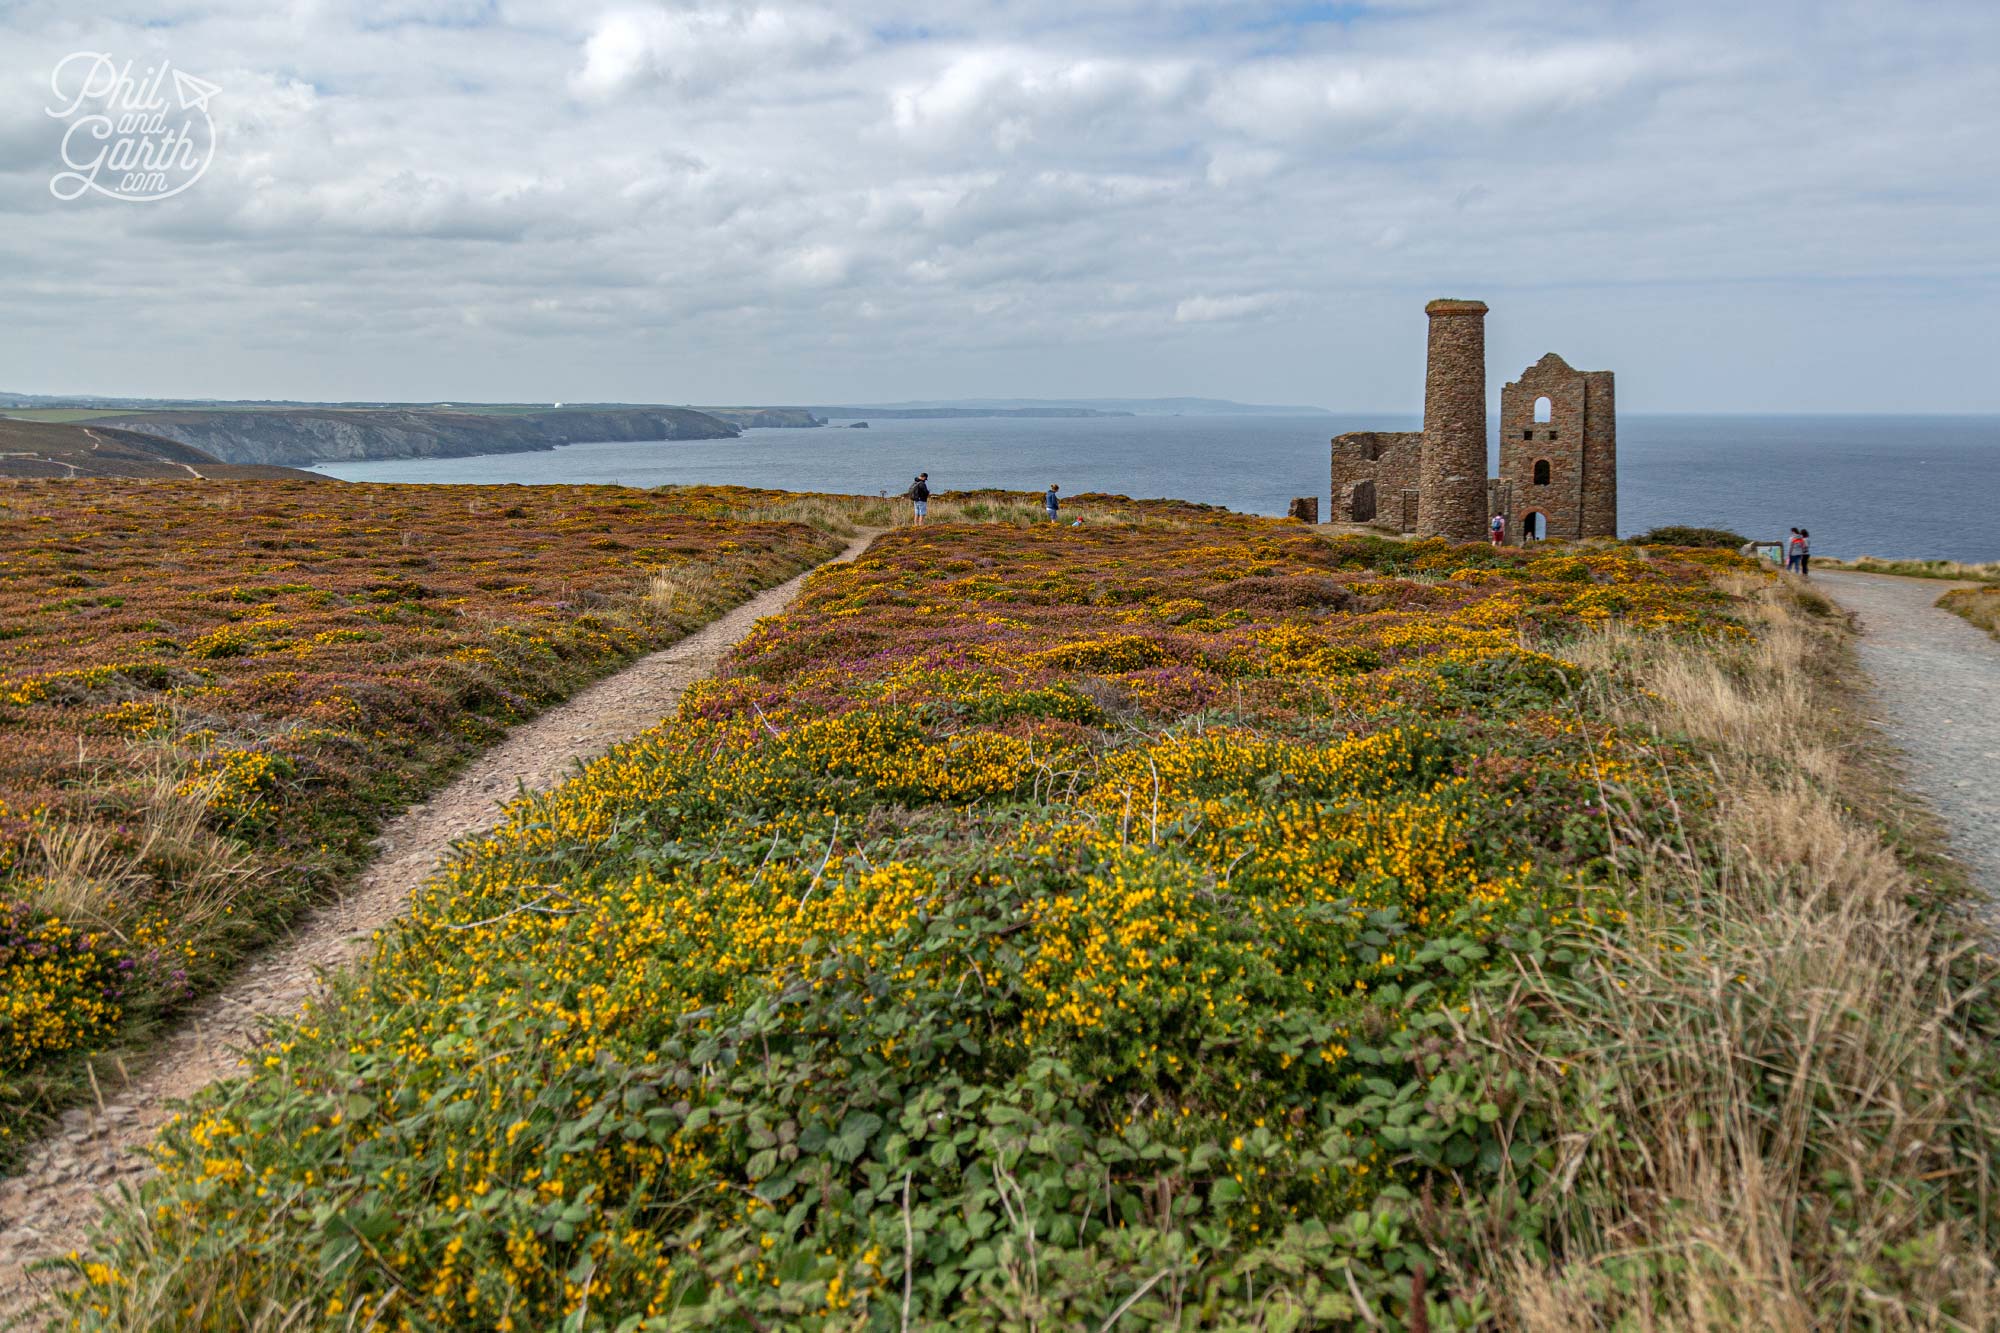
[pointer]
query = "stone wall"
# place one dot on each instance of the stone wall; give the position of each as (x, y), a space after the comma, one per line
(1542, 462)
(1371, 470)
(1600, 454)
(1563, 468)
(1452, 479)
(1500, 500)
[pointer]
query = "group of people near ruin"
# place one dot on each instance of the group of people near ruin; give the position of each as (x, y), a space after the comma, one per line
(919, 496)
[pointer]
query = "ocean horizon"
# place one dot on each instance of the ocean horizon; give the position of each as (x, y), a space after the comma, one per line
(1925, 486)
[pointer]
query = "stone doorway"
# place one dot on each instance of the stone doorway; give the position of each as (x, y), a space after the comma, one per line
(1361, 506)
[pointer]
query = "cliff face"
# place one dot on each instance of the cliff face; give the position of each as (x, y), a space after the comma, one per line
(61, 449)
(300, 436)
(957, 413)
(766, 418)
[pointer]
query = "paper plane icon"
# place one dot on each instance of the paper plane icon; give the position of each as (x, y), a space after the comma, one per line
(193, 92)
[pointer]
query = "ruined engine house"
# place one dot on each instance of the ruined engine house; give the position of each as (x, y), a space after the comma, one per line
(1558, 448)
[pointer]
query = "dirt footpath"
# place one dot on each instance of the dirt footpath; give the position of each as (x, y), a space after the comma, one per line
(1937, 692)
(44, 1209)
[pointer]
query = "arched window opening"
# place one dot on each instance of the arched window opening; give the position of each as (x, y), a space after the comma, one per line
(1541, 472)
(1534, 526)
(1544, 410)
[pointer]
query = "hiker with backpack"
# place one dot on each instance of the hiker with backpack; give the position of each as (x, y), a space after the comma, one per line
(919, 496)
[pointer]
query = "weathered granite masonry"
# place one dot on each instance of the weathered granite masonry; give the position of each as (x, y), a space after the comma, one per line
(1452, 472)
(1371, 470)
(1559, 450)
(1562, 469)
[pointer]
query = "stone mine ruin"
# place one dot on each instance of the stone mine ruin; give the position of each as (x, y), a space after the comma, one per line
(1558, 448)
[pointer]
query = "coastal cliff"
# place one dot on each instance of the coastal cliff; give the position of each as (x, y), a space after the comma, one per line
(65, 450)
(766, 418)
(302, 436)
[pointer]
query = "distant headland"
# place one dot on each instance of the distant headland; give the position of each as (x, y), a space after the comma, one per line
(1073, 407)
(279, 433)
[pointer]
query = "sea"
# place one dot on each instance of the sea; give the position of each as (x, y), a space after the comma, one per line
(1923, 487)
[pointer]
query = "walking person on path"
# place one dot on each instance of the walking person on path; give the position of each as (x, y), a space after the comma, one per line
(1794, 552)
(920, 497)
(1496, 528)
(1052, 503)
(1805, 554)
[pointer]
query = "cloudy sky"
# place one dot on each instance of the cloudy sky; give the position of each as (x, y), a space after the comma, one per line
(1758, 206)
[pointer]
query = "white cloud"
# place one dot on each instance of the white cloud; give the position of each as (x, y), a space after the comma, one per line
(1473, 86)
(691, 50)
(1011, 97)
(868, 198)
(1213, 309)
(815, 266)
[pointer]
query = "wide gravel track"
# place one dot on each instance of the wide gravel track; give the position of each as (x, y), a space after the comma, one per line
(1937, 697)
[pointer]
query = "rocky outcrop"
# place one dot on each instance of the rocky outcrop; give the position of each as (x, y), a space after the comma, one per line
(302, 436)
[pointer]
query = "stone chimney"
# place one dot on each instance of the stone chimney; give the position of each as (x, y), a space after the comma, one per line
(1452, 471)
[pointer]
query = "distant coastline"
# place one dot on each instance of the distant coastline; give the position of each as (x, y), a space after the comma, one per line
(946, 408)
(293, 434)
(961, 413)
(301, 437)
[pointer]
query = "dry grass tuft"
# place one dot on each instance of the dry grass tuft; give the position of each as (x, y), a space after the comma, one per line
(98, 876)
(1987, 572)
(1981, 606)
(843, 515)
(677, 587)
(1776, 1089)
(1024, 511)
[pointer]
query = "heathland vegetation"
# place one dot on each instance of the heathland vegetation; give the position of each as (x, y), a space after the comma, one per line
(1986, 572)
(211, 694)
(1186, 921)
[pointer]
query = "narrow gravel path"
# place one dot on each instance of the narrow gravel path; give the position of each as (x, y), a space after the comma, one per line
(45, 1208)
(1937, 692)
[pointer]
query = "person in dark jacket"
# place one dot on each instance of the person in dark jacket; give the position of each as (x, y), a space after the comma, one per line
(1052, 503)
(920, 496)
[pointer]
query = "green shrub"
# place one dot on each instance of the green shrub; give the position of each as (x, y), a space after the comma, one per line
(1676, 535)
